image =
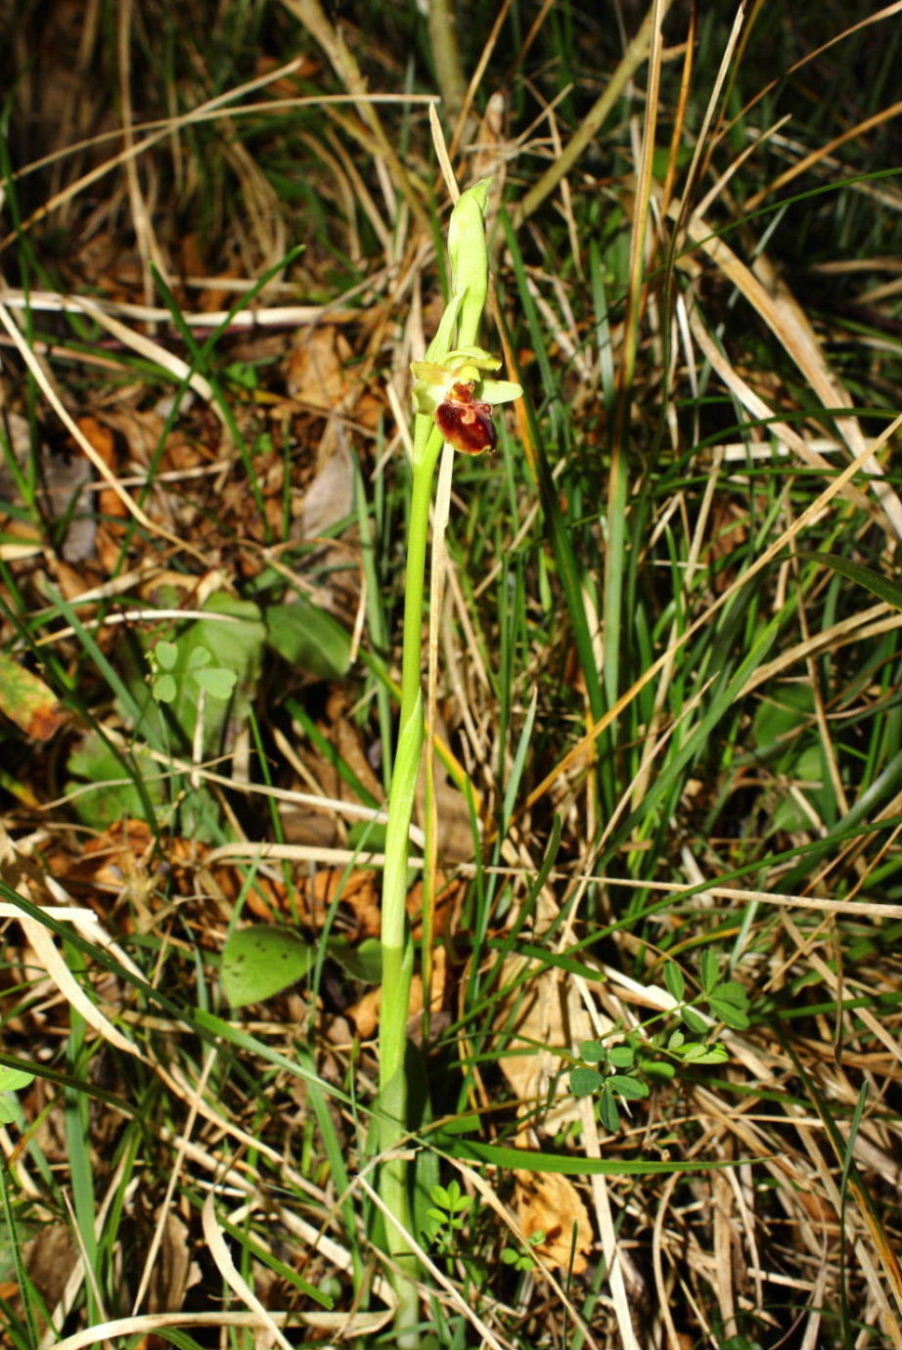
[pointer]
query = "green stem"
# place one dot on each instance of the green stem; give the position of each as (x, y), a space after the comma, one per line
(397, 946)
(458, 328)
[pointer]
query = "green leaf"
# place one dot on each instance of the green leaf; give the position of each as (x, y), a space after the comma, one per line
(9, 1110)
(11, 1080)
(710, 969)
(164, 688)
(610, 1116)
(729, 1013)
(593, 1052)
(165, 654)
(621, 1056)
(731, 991)
(309, 638)
(699, 1053)
(694, 1021)
(511, 1258)
(230, 640)
(218, 682)
(585, 1081)
(729, 1001)
(578, 1165)
(878, 585)
(440, 1195)
(454, 1200)
(632, 1089)
(199, 658)
(261, 961)
(657, 1068)
(778, 719)
(115, 794)
(675, 981)
(363, 962)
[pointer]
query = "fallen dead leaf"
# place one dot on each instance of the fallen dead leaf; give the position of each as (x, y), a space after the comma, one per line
(174, 1272)
(330, 497)
(545, 1020)
(118, 862)
(550, 1204)
(317, 367)
(50, 1259)
(104, 442)
(322, 375)
(26, 700)
(358, 891)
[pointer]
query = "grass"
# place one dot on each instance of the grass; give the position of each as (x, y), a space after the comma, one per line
(653, 1060)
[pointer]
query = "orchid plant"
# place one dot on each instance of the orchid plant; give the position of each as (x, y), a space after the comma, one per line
(454, 394)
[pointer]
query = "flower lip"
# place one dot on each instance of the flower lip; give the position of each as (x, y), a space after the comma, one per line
(465, 422)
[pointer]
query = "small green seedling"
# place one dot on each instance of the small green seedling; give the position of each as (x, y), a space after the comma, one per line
(447, 1214)
(522, 1260)
(621, 1073)
(606, 1073)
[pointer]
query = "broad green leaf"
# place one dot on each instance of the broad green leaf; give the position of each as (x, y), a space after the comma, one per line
(778, 720)
(593, 1052)
(9, 1109)
(731, 991)
(261, 961)
(729, 1012)
(12, 1080)
(657, 1068)
(309, 639)
(441, 1197)
(231, 641)
(115, 794)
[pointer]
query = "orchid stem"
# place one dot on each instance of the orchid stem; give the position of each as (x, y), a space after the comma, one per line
(452, 359)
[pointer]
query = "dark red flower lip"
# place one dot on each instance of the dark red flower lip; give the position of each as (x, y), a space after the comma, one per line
(465, 422)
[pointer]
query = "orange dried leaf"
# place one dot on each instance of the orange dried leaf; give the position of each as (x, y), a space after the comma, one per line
(104, 443)
(550, 1204)
(318, 368)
